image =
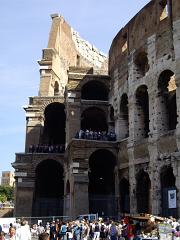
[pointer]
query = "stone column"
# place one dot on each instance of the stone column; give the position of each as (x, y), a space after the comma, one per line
(80, 198)
(132, 181)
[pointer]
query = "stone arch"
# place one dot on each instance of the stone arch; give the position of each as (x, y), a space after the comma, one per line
(143, 186)
(94, 90)
(124, 198)
(102, 183)
(124, 117)
(49, 189)
(141, 63)
(54, 124)
(56, 88)
(94, 118)
(142, 112)
(168, 184)
(167, 101)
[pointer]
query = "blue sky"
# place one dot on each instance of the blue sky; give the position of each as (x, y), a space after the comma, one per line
(24, 30)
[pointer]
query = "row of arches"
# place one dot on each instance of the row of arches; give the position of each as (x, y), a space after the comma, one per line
(50, 188)
(50, 191)
(143, 192)
(93, 118)
(166, 108)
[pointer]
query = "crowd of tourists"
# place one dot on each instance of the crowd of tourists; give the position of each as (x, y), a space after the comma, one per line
(96, 135)
(125, 229)
(60, 148)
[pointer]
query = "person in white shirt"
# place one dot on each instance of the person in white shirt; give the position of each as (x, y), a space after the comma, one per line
(23, 233)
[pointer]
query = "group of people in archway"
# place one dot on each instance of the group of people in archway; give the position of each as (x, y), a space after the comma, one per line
(60, 148)
(96, 135)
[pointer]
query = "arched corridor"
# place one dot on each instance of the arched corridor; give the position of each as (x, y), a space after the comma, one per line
(102, 183)
(143, 192)
(54, 124)
(49, 189)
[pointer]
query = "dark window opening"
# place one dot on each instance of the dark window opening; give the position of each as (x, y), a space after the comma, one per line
(102, 183)
(93, 119)
(142, 99)
(54, 125)
(163, 9)
(124, 196)
(124, 116)
(143, 192)
(94, 90)
(49, 189)
(167, 99)
(78, 61)
(56, 88)
(168, 185)
(142, 65)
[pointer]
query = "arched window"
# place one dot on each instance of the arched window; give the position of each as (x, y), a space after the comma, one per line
(54, 125)
(167, 114)
(142, 112)
(143, 192)
(124, 117)
(94, 90)
(56, 88)
(141, 64)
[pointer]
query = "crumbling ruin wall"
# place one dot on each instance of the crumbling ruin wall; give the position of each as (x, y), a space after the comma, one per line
(66, 48)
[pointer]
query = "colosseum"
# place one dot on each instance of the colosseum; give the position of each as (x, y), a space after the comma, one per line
(103, 134)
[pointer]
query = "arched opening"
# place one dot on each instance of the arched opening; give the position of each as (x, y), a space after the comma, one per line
(54, 125)
(167, 101)
(56, 88)
(102, 183)
(124, 117)
(141, 63)
(142, 112)
(143, 192)
(49, 189)
(94, 90)
(124, 196)
(95, 119)
(168, 192)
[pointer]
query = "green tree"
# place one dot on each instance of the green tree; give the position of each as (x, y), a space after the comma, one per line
(3, 197)
(8, 191)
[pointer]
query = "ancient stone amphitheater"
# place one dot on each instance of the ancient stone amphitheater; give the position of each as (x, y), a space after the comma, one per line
(71, 164)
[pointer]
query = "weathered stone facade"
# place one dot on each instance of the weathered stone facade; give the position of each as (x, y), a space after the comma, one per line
(139, 99)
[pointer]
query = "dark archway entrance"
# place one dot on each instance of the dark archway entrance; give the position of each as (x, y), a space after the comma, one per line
(167, 188)
(142, 106)
(94, 118)
(124, 117)
(94, 90)
(124, 196)
(102, 183)
(167, 100)
(143, 192)
(54, 125)
(49, 189)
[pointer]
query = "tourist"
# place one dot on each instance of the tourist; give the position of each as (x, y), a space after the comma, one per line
(43, 236)
(23, 233)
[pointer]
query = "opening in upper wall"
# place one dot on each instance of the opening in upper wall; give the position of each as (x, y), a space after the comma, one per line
(163, 9)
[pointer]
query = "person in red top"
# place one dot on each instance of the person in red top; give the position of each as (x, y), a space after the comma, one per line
(130, 230)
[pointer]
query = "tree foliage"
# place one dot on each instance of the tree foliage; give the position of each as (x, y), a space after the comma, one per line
(6, 192)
